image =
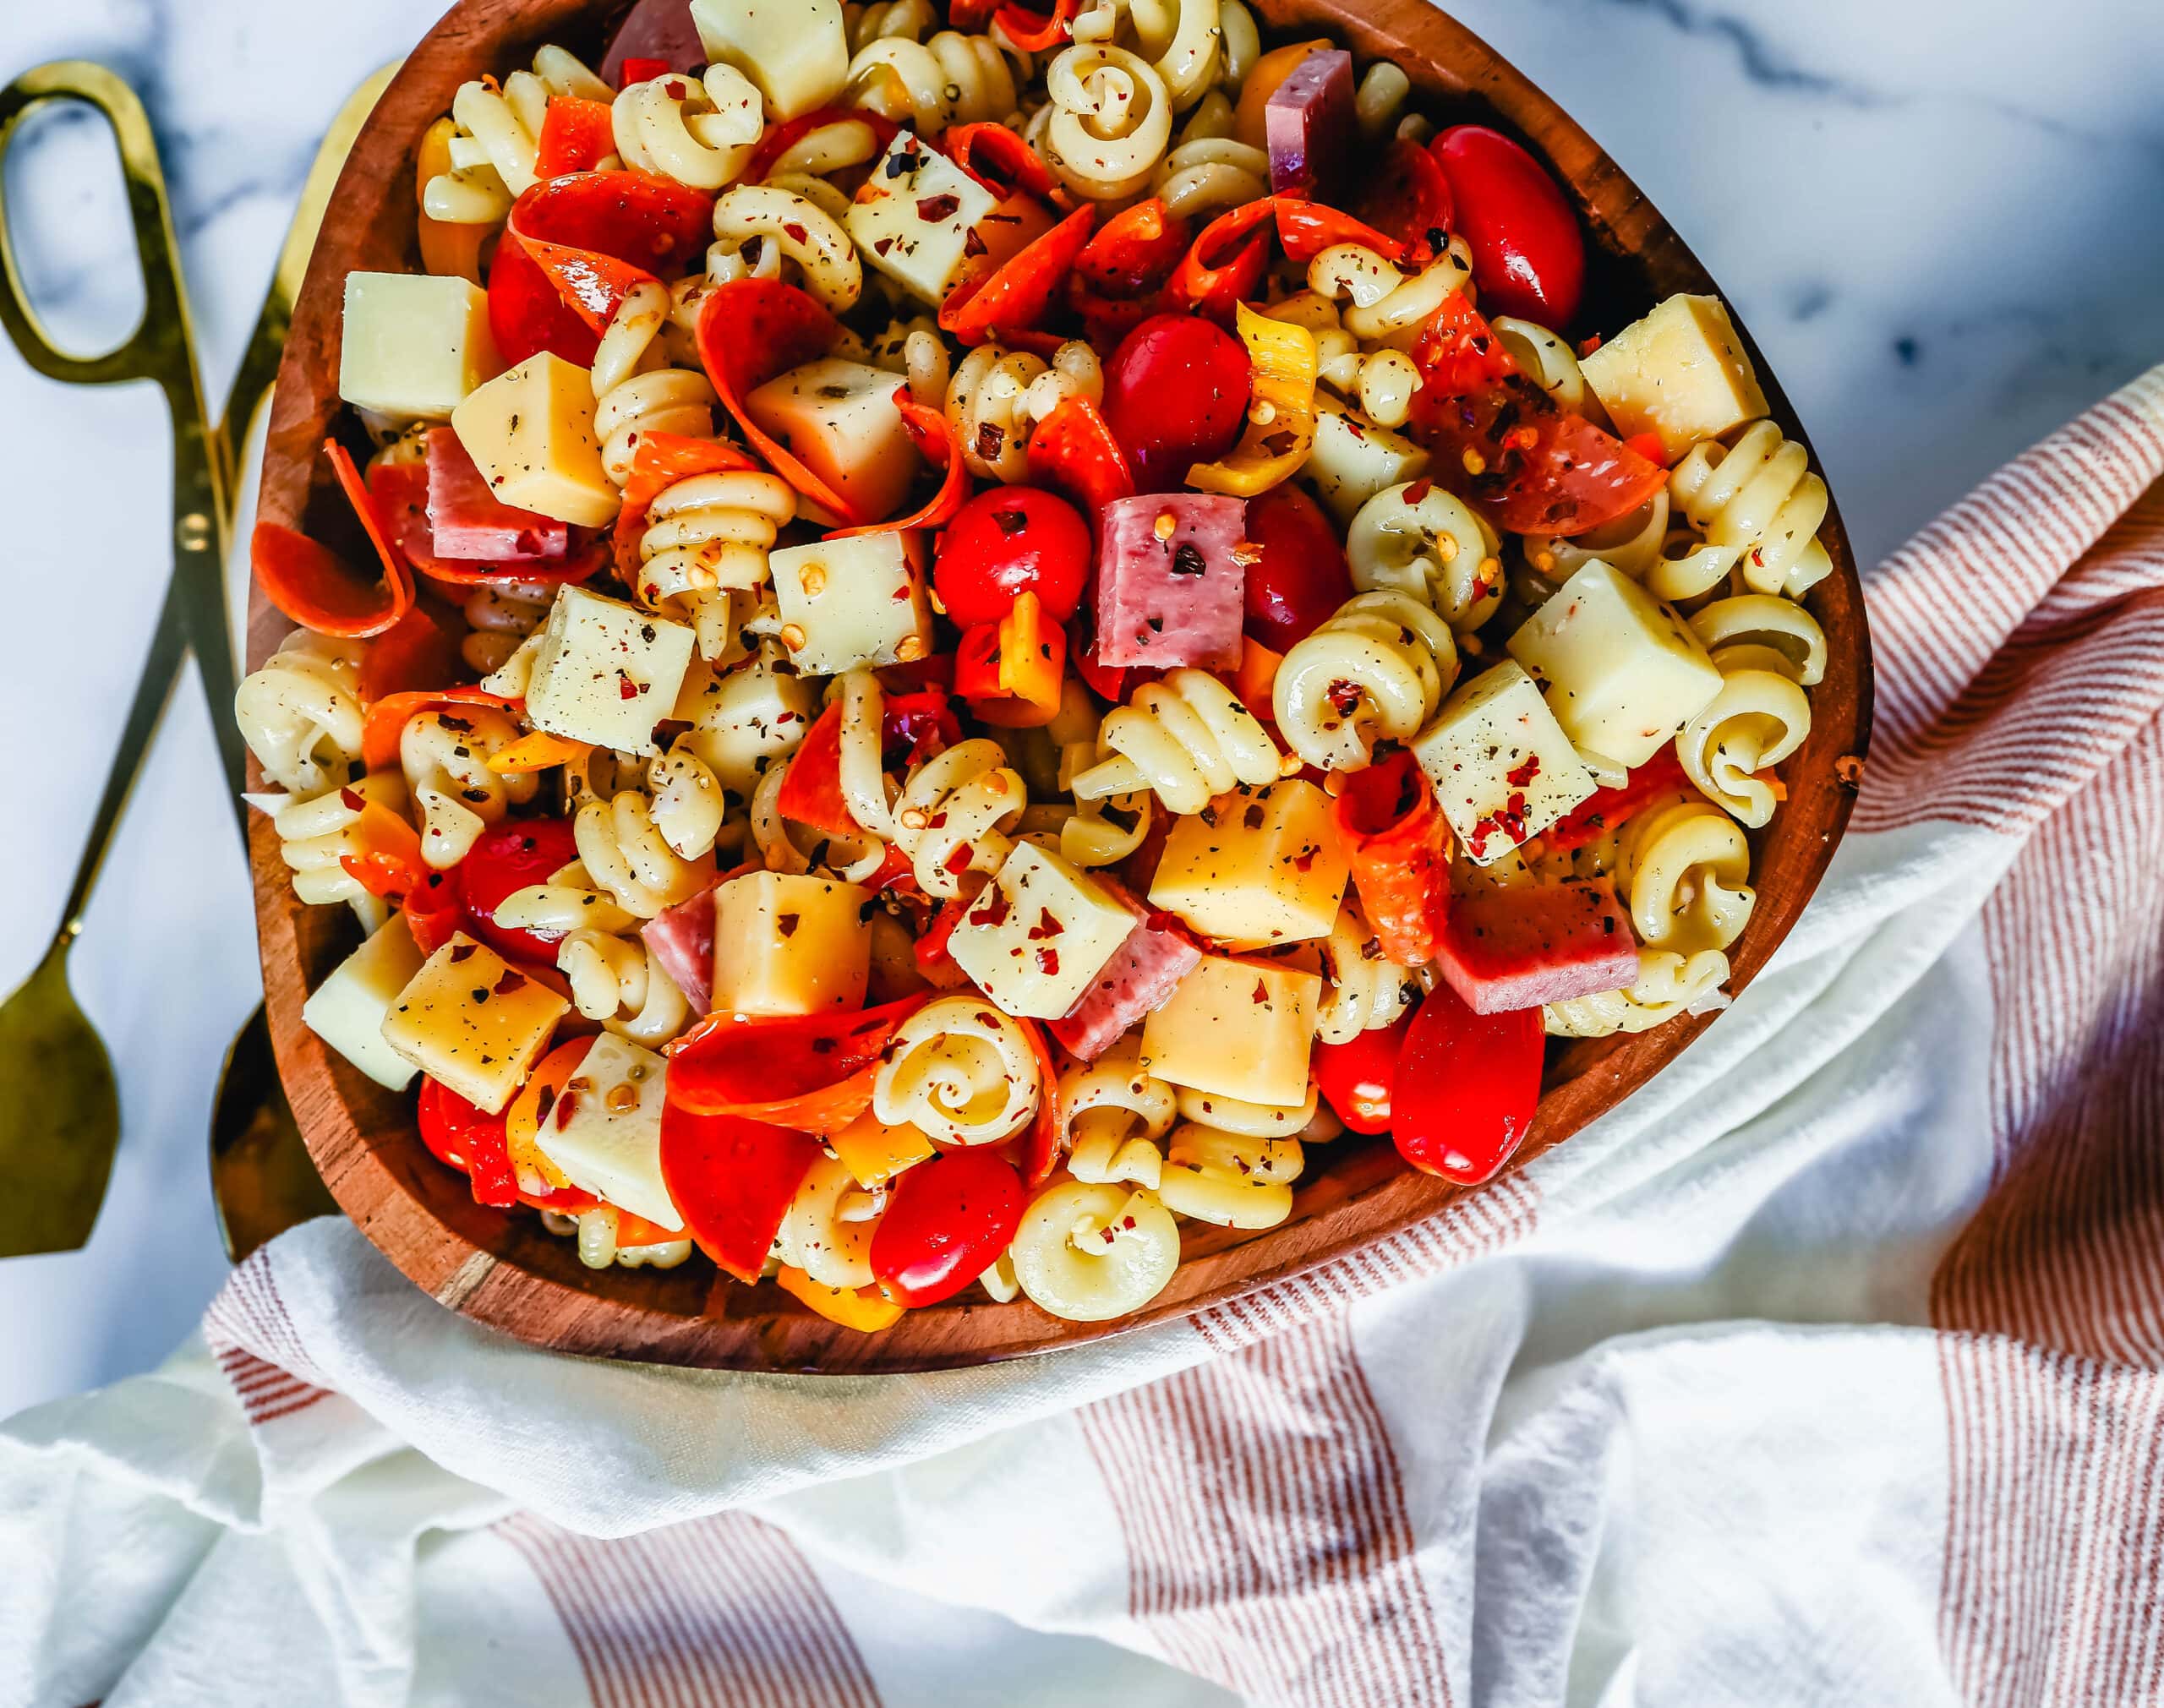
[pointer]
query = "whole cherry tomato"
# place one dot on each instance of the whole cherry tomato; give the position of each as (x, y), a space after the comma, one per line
(1528, 254)
(471, 1140)
(1176, 394)
(513, 855)
(948, 1222)
(1354, 1078)
(1301, 577)
(1466, 1088)
(1007, 542)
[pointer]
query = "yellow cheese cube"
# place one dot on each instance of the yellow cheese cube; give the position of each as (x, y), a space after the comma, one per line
(347, 1010)
(1037, 938)
(913, 217)
(414, 347)
(1623, 673)
(1240, 1029)
(1682, 373)
(1256, 869)
(1353, 460)
(471, 1021)
(874, 1153)
(1503, 769)
(839, 418)
(610, 1145)
(606, 672)
(851, 602)
(745, 718)
(789, 945)
(530, 432)
(796, 50)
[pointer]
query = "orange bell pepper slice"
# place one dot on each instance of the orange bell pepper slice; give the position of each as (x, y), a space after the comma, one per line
(862, 1308)
(386, 720)
(752, 330)
(387, 858)
(448, 250)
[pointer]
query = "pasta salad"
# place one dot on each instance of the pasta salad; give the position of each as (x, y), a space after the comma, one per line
(985, 626)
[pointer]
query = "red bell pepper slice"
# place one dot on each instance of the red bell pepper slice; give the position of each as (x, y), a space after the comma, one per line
(812, 1072)
(1040, 1144)
(1073, 451)
(779, 139)
(1410, 198)
(811, 790)
(733, 1179)
(471, 1140)
(971, 15)
(661, 461)
(1038, 32)
(416, 654)
(433, 912)
(597, 234)
(386, 720)
(1610, 807)
(998, 159)
(933, 434)
(933, 957)
(1010, 671)
(1467, 1087)
(576, 135)
(1401, 852)
(1226, 262)
(1306, 228)
(946, 1222)
(752, 330)
(526, 314)
(1011, 303)
(1134, 251)
(399, 492)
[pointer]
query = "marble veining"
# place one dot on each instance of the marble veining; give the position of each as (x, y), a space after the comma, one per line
(1941, 219)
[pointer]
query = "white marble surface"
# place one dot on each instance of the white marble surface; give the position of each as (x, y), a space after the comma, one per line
(1943, 219)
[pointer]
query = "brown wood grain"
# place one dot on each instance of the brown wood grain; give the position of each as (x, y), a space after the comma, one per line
(501, 1268)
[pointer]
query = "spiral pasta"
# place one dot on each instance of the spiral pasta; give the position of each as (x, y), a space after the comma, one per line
(1550, 363)
(802, 230)
(1758, 719)
(827, 1228)
(1203, 176)
(1780, 635)
(703, 555)
(445, 756)
(1181, 38)
(1088, 1254)
(1379, 103)
(1229, 1178)
(1667, 985)
(1682, 865)
(1416, 539)
(1108, 123)
(700, 132)
(617, 981)
(499, 138)
(955, 814)
(1760, 496)
(1114, 1113)
(996, 397)
(913, 349)
(599, 1248)
(300, 714)
(633, 397)
(1363, 988)
(952, 78)
(498, 619)
(1632, 542)
(1186, 739)
(315, 833)
(1378, 669)
(1087, 835)
(567, 900)
(960, 1071)
(907, 20)
(631, 860)
(1383, 305)
(689, 804)
(1248, 1120)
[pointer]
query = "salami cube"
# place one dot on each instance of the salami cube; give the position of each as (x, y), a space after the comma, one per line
(1170, 582)
(471, 524)
(1523, 946)
(1310, 125)
(1143, 971)
(682, 938)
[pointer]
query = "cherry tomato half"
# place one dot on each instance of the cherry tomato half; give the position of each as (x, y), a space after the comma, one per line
(1301, 577)
(1176, 394)
(512, 856)
(1528, 254)
(1466, 1088)
(1005, 543)
(1354, 1078)
(948, 1222)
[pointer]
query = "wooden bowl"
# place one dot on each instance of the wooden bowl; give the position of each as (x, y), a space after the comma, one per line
(502, 1269)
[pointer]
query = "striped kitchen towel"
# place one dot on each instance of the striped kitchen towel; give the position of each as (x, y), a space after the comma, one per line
(1825, 1372)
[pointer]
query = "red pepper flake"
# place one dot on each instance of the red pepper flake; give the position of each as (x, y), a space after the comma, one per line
(793, 231)
(973, 245)
(992, 910)
(566, 1105)
(1261, 990)
(1417, 493)
(509, 982)
(786, 924)
(625, 688)
(1254, 816)
(543, 1103)
(1048, 961)
(958, 862)
(1521, 774)
(1305, 858)
(1046, 926)
(352, 797)
(933, 209)
(461, 952)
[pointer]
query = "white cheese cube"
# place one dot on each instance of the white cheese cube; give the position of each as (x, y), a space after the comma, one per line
(789, 945)
(744, 719)
(1038, 937)
(1622, 671)
(1503, 769)
(413, 346)
(1239, 1029)
(471, 1020)
(530, 432)
(1256, 870)
(606, 672)
(1353, 460)
(610, 1145)
(347, 1010)
(851, 602)
(839, 419)
(1682, 373)
(913, 217)
(796, 50)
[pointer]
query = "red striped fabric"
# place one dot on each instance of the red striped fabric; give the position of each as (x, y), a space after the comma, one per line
(251, 1333)
(1269, 1548)
(718, 1612)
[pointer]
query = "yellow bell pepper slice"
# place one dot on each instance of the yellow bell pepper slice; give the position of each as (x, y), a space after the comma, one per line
(861, 1308)
(1280, 428)
(448, 251)
(1010, 672)
(874, 1153)
(538, 750)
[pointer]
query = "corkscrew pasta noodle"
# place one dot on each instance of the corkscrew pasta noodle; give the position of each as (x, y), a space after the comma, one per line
(960, 1071)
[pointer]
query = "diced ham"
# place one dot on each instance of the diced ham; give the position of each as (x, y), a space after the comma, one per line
(1309, 124)
(1528, 945)
(1140, 976)
(1170, 586)
(471, 523)
(682, 939)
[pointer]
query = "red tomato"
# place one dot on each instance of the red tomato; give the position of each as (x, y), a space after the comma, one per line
(1301, 577)
(1007, 542)
(1528, 254)
(471, 1140)
(1176, 394)
(1465, 1088)
(948, 1222)
(1354, 1078)
(507, 857)
(1410, 198)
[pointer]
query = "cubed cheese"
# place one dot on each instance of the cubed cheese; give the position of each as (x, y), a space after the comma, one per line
(913, 217)
(530, 432)
(1171, 583)
(1353, 460)
(851, 602)
(874, 1153)
(1680, 373)
(414, 347)
(1039, 934)
(610, 1145)
(1622, 671)
(1503, 769)
(796, 50)
(789, 945)
(1256, 870)
(1239, 1028)
(745, 718)
(606, 672)
(839, 419)
(347, 1009)
(470, 1020)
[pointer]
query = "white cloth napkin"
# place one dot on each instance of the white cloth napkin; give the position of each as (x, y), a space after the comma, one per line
(1823, 1371)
